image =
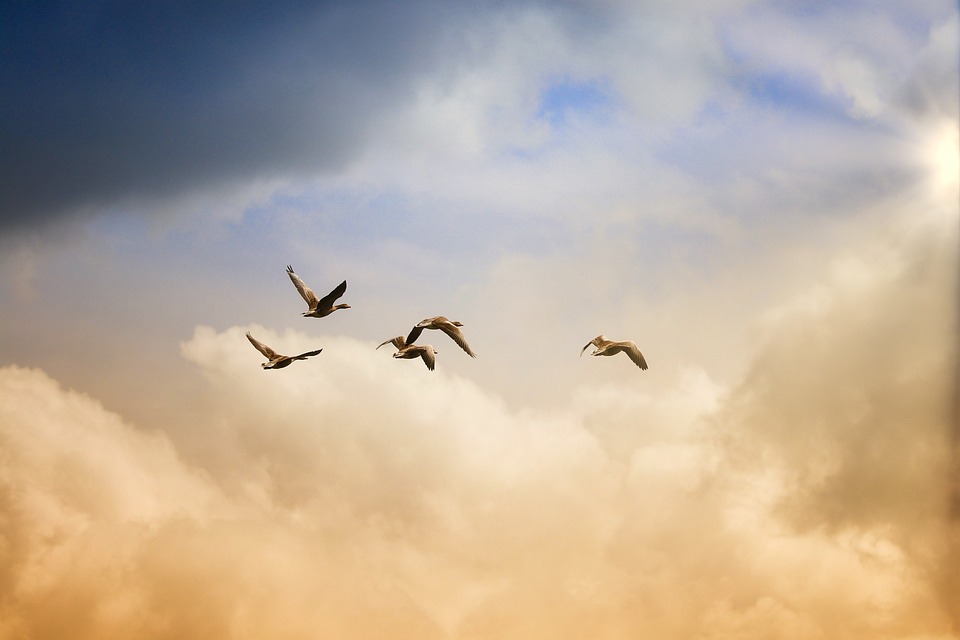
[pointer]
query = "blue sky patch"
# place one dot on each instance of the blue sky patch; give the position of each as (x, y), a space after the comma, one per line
(562, 98)
(793, 92)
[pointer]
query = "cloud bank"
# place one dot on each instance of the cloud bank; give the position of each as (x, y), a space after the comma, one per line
(358, 496)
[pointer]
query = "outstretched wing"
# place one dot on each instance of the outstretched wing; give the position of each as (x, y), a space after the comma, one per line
(308, 295)
(414, 334)
(454, 332)
(595, 342)
(397, 342)
(328, 300)
(268, 353)
(429, 356)
(633, 352)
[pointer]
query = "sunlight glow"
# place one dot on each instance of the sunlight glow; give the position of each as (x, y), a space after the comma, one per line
(943, 156)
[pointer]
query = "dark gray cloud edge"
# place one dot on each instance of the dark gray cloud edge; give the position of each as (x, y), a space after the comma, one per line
(107, 101)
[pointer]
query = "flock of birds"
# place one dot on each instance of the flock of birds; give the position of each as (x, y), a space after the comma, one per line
(405, 346)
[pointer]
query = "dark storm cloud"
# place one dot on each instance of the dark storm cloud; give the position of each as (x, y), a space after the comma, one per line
(110, 100)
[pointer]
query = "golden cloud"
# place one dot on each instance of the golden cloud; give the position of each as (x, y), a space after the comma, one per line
(356, 496)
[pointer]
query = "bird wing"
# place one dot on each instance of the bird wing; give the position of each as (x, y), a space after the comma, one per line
(305, 291)
(454, 332)
(308, 354)
(432, 323)
(269, 353)
(414, 334)
(595, 342)
(327, 301)
(429, 356)
(397, 342)
(633, 352)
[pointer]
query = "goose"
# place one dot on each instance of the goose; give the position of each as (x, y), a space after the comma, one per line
(605, 347)
(451, 328)
(277, 361)
(319, 307)
(409, 351)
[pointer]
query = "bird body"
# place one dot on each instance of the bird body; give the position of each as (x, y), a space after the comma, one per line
(274, 359)
(605, 347)
(449, 327)
(318, 307)
(408, 351)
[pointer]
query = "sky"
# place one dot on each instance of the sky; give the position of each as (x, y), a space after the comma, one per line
(762, 194)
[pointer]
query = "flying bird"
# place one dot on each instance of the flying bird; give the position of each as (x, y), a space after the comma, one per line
(451, 328)
(277, 361)
(409, 351)
(606, 347)
(319, 307)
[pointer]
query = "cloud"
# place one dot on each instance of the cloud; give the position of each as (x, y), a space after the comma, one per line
(783, 470)
(357, 495)
(114, 108)
(848, 404)
(111, 105)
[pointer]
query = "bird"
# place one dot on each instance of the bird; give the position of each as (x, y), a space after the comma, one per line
(409, 351)
(451, 328)
(319, 307)
(277, 361)
(605, 347)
